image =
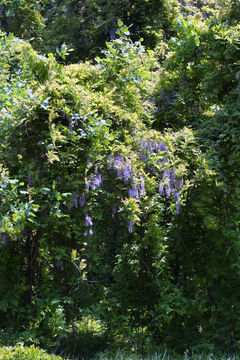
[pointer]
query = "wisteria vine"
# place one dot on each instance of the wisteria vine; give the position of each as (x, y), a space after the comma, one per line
(147, 149)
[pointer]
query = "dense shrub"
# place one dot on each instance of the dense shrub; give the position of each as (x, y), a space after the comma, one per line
(25, 353)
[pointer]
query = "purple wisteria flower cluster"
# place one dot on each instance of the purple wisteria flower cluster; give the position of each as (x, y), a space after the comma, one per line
(80, 200)
(124, 172)
(123, 168)
(151, 147)
(137, 190)
(77, 200)
(88, 224)
(95, 182)
(130, 226)
(169, 184)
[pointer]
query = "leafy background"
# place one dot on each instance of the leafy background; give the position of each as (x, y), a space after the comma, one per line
(119, 158)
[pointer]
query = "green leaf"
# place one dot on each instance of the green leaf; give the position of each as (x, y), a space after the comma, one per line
(120, 23)
(45, 190)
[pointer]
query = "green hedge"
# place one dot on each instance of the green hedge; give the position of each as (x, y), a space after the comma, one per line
(25, 353)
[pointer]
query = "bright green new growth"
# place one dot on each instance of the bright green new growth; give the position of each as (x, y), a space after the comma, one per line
(25, 353)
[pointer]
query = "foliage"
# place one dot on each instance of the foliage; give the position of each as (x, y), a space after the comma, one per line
(25, 353)
(88, 24)
(85, 26)
(119, 210)
(199, 67)
(23, 18)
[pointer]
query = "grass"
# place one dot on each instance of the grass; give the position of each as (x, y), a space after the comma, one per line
(165, 356)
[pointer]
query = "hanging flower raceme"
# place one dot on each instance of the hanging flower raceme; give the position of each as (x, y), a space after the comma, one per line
(82, 200)
(88, 223)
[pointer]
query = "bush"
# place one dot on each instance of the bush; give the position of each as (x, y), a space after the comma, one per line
(25, 353)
